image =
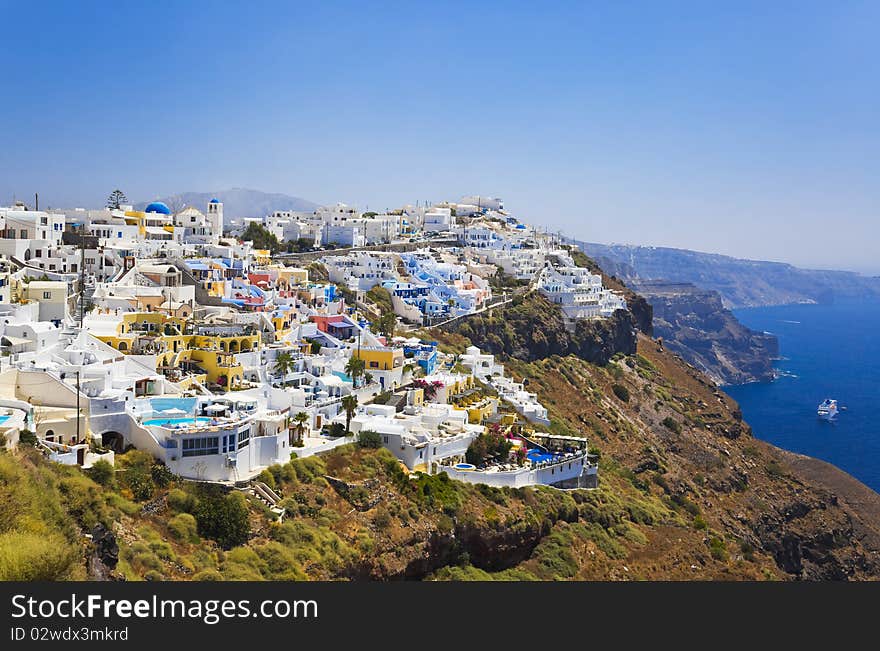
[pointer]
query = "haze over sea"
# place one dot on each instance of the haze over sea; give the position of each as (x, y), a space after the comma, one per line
(827, 351)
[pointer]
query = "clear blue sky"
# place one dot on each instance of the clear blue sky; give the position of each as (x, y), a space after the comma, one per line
(751, 129)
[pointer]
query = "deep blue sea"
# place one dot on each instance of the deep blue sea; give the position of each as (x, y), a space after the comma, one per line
(827, 351)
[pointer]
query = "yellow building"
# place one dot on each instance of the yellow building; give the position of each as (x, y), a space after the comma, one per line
(479, 411)
(179, 353)
(380, 358)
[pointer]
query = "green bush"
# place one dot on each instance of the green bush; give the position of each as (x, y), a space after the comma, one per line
(223, 518)
(267, 478)
(35, 557)
(369, 439)
(184, 528)
(621, 392)
(208, 575)
(774, 469)
(27, 437)
(381, 519)
(181, 501)
(140, 483)
(279, 563)
(82, 499)
(718, 549)
(554, 556)
(161, 475)
(671, 424)
(101, 472)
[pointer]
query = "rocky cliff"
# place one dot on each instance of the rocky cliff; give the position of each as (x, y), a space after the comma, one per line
(533, 328)
(694, 324)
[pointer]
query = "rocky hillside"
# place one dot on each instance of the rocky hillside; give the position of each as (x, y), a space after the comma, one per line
(533, 328)
(694, 324)
(685, 493)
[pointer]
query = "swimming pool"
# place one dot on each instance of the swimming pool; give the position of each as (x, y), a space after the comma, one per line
(535, 455)
(167, 422)
(4, 418)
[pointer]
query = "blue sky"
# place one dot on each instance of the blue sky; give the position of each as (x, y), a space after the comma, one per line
(743, 128)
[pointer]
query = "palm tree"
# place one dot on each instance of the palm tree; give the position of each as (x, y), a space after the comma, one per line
(385, 324)
(283, 363)
(349, 404)
(301, 419)
(355, 368)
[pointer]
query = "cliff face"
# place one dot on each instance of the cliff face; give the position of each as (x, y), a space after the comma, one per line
(694, 324)
(533, 328)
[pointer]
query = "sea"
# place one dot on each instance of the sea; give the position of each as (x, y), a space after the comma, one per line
(826, 351)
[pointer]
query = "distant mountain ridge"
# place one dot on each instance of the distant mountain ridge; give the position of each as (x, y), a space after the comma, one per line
(237, 202)
(741, 283)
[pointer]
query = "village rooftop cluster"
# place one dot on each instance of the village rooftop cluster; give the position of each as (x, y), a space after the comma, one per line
(172, 332)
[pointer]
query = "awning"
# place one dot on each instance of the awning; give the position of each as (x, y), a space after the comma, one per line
(215, 408)
(14, 341)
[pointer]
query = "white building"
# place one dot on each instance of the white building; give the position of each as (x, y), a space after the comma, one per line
(421, 437)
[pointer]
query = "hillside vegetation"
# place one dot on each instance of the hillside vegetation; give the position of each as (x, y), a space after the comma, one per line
(685, 492)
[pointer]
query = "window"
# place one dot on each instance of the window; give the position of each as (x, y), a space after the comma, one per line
(199, 447)
(244, 438)
(22, 234)
(47, 295)
(374, 364)
(39, 253)
(229, 443)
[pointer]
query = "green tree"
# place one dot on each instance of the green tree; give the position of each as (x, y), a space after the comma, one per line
(488, 445)
(349, 404)
(116, 199)
(385, 324)
(355, 368)
(223, 518)
(261, 237)
(367, 438)
(283, 363)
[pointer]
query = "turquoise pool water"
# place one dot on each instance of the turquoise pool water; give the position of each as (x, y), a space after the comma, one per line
(4, 418)
(186, 420)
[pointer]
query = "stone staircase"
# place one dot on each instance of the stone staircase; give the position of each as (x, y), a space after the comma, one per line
(267, 496)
